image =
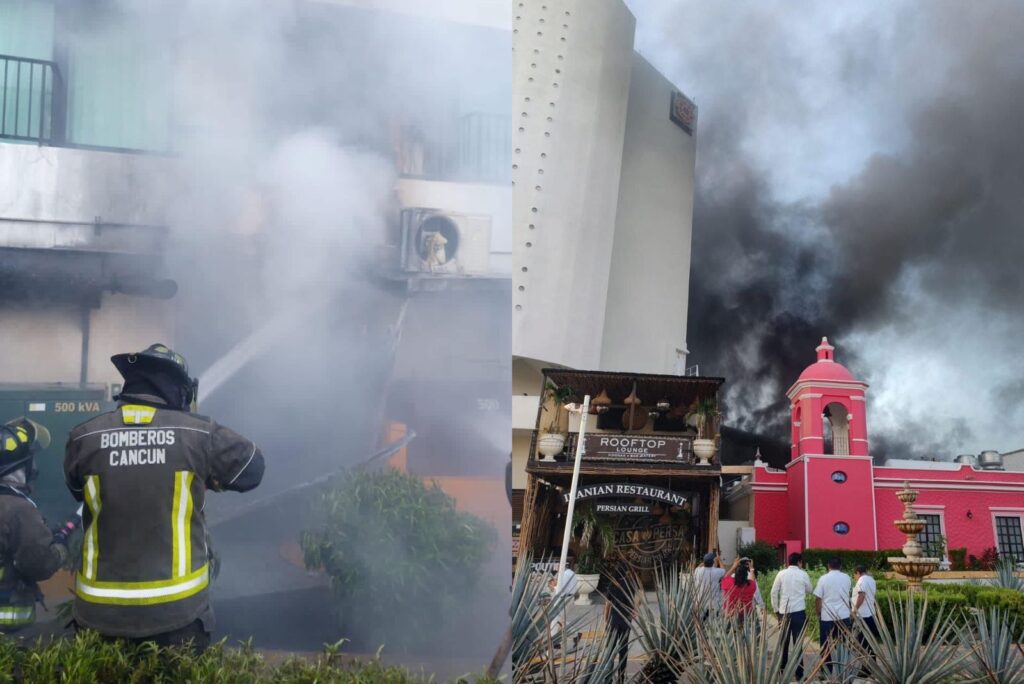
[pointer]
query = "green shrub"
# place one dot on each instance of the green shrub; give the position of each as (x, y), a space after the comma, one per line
(874, 560)
(86, 659)
(398, 553)
(980, 596)
(764, 555)
(958, 558)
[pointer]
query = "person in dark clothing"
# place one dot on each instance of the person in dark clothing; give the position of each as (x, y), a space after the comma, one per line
(143, 471)
(618, 613)
(29, 551)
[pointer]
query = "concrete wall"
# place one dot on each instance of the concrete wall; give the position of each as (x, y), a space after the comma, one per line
(648, 287)
(571, 69)
(45, 345)
(63, 184)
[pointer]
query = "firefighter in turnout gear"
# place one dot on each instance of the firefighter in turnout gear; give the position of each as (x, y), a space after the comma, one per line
(29, 551)
(143, 471)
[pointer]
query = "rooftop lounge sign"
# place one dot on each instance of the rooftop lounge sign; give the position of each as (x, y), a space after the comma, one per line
(646, 448)
(623, 490)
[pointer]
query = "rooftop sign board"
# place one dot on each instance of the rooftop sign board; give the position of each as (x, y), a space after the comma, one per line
(646, 448)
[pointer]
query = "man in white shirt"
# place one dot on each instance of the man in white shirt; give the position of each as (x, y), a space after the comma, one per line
(833, 605)
(789, 595)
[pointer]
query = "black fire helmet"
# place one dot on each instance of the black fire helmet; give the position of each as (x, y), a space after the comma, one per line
(158, 359)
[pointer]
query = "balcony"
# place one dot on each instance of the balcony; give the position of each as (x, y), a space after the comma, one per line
(78, 261)
(627, 437)
(475, 148)
(32, 100)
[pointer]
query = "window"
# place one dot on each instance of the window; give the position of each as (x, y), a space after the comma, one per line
(839, 477)
(1008, 537)
(841, 528)
(930, 538)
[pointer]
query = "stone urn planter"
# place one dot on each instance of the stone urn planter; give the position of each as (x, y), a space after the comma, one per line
(549, 444)
(704, 449)
(587, 584)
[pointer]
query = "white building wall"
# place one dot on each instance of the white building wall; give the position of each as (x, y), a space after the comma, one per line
(43, 344)
(648, 287)
(571, 70)
(40, 345)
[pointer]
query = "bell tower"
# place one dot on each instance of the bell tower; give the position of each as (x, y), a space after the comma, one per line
(830, 474)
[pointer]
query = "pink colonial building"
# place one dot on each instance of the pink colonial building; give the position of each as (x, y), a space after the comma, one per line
(832, 495)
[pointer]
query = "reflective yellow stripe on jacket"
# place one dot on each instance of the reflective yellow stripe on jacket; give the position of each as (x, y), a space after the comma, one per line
(91, 545)
(183, 582)
(137, 414)
(181, 524)
(144, 593)
(17, 615)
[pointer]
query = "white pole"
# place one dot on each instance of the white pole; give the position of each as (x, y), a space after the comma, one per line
(572, 492)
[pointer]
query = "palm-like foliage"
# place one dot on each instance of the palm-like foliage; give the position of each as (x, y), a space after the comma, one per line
(1006, 575)
(994, 655)
(668, 628)
(739, 653)
(540, 649)
(907, 652)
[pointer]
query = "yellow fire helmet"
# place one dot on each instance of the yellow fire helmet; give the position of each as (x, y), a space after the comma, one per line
(19, 440)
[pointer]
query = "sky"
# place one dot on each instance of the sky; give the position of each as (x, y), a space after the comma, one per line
(860, 175)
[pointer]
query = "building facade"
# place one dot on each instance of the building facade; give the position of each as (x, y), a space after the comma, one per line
(603, 154)
(832, 495)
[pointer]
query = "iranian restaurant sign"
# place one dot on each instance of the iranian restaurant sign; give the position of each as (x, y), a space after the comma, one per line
(645, 448)
(621, 490)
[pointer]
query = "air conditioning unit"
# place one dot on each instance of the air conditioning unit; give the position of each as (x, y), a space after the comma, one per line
(441, 242)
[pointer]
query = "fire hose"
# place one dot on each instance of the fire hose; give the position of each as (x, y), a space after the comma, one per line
(63, 531)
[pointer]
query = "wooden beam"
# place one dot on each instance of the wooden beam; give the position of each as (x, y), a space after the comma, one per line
(715, 496)
(737, 470)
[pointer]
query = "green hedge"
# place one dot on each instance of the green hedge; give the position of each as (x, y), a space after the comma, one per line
(981, 596)
(958, 558)
(764, 555)
(874, 560)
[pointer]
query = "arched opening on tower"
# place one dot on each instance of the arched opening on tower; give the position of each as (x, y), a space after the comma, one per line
(836, 429)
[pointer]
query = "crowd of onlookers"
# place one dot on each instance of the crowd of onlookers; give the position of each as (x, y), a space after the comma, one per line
(836, 597)
(734, 592)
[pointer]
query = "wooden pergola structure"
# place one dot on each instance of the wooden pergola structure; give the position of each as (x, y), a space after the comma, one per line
(653, 463)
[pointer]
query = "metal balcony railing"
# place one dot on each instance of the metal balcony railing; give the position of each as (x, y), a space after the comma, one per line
(32, 100)
(475, 148)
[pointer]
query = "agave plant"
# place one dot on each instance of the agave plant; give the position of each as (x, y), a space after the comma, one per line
(735, 652)
(907, 651)
(1006, 575)
(668, 629)
(995, 656)
(544, 644)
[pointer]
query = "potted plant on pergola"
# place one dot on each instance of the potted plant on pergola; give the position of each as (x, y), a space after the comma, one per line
(552, 439)
(706, 418)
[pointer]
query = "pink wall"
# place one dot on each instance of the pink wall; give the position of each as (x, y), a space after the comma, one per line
(795, 475)
(771, 505)
(831, 502)
(778, 514)
(951, 494)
